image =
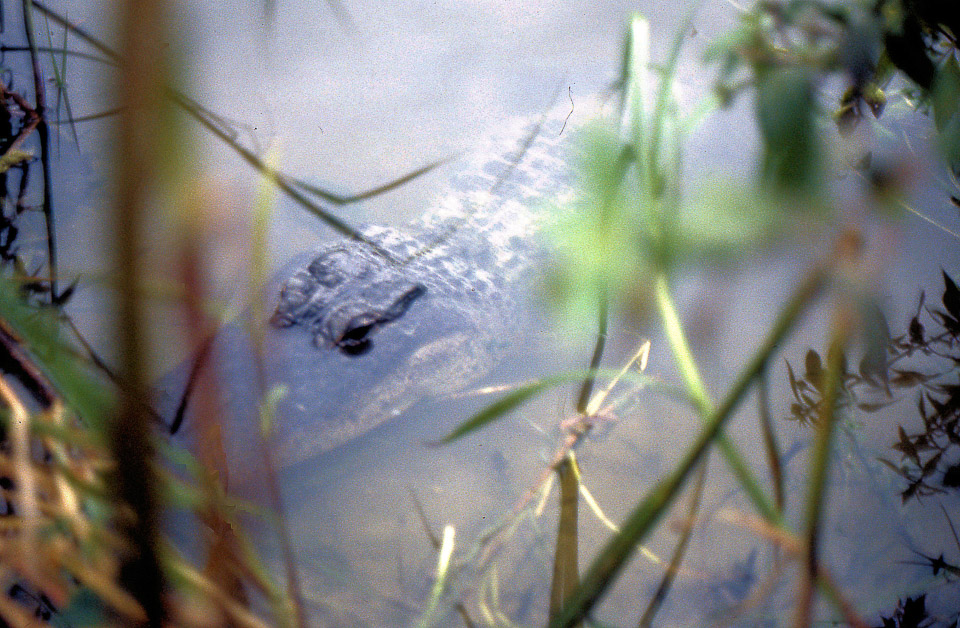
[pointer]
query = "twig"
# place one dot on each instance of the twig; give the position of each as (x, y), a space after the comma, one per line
(44, 131)
(696, 497)
(16, 362)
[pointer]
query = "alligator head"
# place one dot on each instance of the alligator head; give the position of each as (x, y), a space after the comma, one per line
(342, 296)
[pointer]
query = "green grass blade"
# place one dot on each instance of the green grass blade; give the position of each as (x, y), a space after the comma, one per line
(665, 91)
(432, 614)
(524, 393)
(817, 474)
(648, 512)
(635, 78)
(687, 366)
(566, 573)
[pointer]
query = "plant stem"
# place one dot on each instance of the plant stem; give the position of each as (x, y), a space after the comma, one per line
(816, 486)
(701, 399)
(138, 164)
(566, 574)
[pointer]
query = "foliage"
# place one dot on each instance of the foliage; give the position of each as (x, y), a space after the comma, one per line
(626, 236)
(786, 51)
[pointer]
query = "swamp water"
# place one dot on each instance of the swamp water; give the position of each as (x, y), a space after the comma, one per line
(363, 554)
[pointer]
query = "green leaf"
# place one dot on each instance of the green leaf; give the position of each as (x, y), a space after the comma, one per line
(786, 107)
(945, 93)
(40, 332)
(498, 409)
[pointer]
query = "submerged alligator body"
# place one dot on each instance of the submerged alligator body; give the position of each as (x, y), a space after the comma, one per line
(357, 337)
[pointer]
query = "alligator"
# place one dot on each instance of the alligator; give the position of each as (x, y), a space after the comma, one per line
(362, 329)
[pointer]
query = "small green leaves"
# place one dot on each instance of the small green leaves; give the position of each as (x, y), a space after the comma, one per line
(523, 393)
(41, 333)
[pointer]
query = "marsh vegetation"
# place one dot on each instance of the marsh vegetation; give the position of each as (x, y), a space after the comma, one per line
(110, 518)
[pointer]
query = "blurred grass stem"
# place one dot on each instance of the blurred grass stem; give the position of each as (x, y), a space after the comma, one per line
(138, 155)
(819, 464)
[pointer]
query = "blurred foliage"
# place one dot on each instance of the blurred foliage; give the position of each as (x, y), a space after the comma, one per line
(788, 51)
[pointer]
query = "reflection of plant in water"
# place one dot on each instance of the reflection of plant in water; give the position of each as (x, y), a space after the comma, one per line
(909, 613)
(937, 446)
(927, 455)
(18, 120)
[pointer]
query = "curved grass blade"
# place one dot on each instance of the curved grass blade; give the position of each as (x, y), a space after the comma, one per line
(88, 118)
(339, 199)
(212, 123)
(73, 53)
(524, 393)
(201, 115)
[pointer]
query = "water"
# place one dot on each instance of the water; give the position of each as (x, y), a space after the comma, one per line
(411, 83)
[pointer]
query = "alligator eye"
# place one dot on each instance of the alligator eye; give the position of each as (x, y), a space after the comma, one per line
(355, 338)
(355, 341)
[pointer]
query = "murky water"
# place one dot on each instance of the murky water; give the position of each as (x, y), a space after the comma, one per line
(405, 84)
